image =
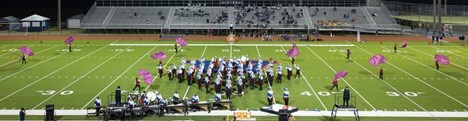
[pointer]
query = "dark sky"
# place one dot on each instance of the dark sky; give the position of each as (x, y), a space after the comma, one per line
(48, 8)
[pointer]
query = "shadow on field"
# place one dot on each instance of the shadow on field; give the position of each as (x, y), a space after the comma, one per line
(364, 73)
(263, 102)
(327, 87)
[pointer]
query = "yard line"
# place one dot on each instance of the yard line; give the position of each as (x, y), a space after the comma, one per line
(343, 79)
(435, 70)
(433, 55)
(35, 53)
(32, 66)
(12, 52)
(78, 79)
(392, 87)
(230, 54)
(144, 55)
(51, 73)
(259, 51)
(451, 53)
(203, 53)
(311, 88)
(416, 78)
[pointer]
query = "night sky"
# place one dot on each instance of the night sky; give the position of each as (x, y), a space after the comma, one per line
(48, 8)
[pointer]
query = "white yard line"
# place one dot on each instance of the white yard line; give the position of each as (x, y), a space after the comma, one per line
(433, 56)
(259, 55)
(451, 53)
(117, 78)
(240, 45)
(12, 52)
(81, 77)
(57, 70)
(311, 88)
(417, 78)
(35, 54)
(365, 100)
(434, 69)
(376, 77)
(230, 53)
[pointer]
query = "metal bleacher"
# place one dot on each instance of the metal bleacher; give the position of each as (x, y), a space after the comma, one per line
(365, 18)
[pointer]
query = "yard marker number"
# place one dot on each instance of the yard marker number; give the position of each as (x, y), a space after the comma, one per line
(51, 92)
(409, 94)
(324, 93)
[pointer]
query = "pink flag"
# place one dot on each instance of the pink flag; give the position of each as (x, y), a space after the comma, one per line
(181, 41)
(404, 44)
(293, 52)
(442, 59)
(339, 75)
(160, 55)
(26, 50)
(69, 40)
(146, 76)
(377, 59)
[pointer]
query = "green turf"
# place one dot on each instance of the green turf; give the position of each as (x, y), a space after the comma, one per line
(96, 69)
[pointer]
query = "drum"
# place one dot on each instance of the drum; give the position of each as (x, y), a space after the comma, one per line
(151, 96)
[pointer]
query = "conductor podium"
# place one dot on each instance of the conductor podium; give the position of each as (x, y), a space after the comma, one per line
(282, 111)
(50, 113)
(341, 106)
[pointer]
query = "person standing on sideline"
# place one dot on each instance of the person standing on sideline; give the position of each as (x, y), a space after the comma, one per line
(395, 48)
(286, 96)
(97, 105)
(437, 64)
(348, 53)
(346, 97)
(270, 96)
(381, 73)
(118, 97)
(137, 84)
(23, 58)
(22, 114)
(176, 49)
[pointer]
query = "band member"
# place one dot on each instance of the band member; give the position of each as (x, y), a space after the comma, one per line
(169, 73)
(142, 97)
(97, 105)
(217, 85)
(335, 84)
(270, 78)
(199, 80)
(195, 98)
(228, 90)
(207, 84)
(286, 96)
(174, 70)
(279, 72)
(69, 48)
(23, 58)
(395, 48)
(137, 84)
(160, 69)
(175, 48)
(381, 73)
(252, 80)
(289, 71)
(437, 64)
(260, 80)
(298, 71)
(348, 53)
(240, 86)
(217, 97)
(270, 96)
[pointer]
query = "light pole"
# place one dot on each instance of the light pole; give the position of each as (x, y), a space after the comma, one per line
(59, 15)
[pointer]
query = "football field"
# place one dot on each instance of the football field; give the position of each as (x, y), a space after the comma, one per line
(72, 80)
